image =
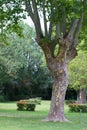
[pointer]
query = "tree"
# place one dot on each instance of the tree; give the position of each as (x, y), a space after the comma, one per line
(14, 58)
(78, 76)
(62, 23)
(21, 67)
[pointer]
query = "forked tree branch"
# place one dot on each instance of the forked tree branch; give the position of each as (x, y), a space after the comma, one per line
(72, 52)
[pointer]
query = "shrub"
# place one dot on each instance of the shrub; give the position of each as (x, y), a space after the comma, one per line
(29, 104)
(30, 107)
(74, 107)
(21, 104)
(70, 101)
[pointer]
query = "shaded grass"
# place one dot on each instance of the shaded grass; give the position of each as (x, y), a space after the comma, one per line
(11, 119)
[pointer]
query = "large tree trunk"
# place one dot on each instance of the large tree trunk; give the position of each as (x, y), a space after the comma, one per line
(81, 96)
(59, 68)
(60, 77)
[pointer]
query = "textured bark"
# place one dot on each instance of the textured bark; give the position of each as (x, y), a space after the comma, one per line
(81, 96)
(59, 68)
(58, 93)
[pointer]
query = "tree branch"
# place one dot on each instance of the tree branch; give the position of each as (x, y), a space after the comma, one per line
(71, 54)
(64, 21)
(29, 9)
(72, 29)
(37, 20)
(50, 30)
(77, 30)
(50, 24)
(44, 15)
(57, 31)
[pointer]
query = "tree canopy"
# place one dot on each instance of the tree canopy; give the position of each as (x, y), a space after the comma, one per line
(57, 15)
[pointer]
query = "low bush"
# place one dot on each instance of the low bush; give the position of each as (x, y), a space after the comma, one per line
(70, 101)
(21, 104)
(74, 107)
(28, 105)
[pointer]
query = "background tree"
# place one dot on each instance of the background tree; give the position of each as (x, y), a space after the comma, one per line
(62, 23)
(78, 76)
(22, 65)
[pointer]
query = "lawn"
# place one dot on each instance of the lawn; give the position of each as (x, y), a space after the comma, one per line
(11, 119)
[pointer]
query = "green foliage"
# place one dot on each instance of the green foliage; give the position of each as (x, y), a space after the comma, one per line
(83, 36)
(4, 77)
(31, 107)
(21, 105)
(78, 71)
(73, 9)
(70, 101)
(23, 68)
(74, 107)
(11, 11)
(83, 44)
(28, 105)
(16, 55)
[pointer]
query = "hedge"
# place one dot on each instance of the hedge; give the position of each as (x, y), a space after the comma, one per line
(74, 107)
(28, 105)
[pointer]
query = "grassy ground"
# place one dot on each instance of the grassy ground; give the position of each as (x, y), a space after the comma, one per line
(11, 119)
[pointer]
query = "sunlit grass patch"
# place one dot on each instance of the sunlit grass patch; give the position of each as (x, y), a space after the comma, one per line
(11, 119)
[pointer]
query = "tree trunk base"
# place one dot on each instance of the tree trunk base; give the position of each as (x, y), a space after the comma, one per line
(56, 119)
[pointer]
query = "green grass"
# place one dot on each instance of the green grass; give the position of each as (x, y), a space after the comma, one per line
(11, 119)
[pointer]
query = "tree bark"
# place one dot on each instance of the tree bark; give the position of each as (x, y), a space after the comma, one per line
(59, 68)
(81, 96)
(60, 77)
